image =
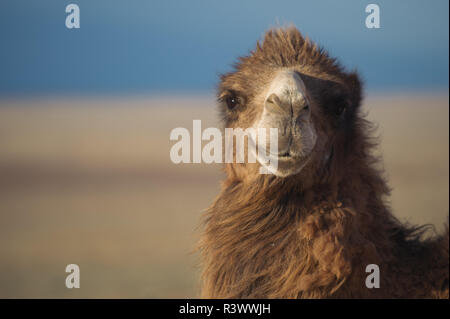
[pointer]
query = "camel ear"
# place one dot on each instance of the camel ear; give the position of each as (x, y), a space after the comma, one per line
(355, 89)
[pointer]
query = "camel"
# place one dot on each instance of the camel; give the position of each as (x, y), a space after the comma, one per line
(311, 228)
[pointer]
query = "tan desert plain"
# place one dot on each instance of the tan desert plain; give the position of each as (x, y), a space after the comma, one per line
(90, 182)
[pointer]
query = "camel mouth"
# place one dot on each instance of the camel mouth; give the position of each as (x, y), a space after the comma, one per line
(282, 164)
(285, 156)
(287, 163)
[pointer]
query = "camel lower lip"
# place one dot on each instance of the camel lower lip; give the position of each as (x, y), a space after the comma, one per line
(283, 157)
(289, 158)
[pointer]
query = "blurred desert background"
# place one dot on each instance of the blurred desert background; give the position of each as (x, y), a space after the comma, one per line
(86, 114)
(90, 182)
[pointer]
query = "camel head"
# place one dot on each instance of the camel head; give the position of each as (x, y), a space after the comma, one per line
(291, 84)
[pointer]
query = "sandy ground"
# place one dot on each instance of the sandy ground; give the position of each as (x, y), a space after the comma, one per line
(90, 182)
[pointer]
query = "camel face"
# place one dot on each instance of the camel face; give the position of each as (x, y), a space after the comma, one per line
(289, 84)
(293, 103)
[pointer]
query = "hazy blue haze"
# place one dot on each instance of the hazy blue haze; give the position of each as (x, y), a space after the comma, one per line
(139, 46)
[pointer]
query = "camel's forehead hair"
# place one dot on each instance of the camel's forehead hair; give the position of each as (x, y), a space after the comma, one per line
(286, 47)
(282, 48)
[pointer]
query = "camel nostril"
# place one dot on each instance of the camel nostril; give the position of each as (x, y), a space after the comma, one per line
(273, 98)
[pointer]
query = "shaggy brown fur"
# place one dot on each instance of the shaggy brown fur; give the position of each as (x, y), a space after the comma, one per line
(311, 235)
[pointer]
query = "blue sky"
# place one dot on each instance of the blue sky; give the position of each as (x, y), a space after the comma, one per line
(141, 46)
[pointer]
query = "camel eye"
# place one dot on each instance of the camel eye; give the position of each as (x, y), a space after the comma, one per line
(340, 110)
(341, 107)
(232, 101)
